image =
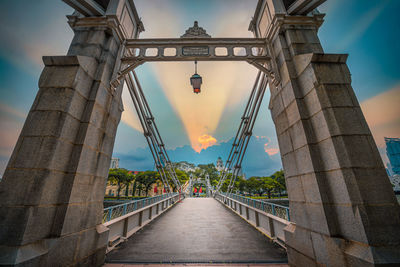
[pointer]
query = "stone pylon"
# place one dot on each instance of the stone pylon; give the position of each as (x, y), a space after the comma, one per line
(51, 196)
(341, 201)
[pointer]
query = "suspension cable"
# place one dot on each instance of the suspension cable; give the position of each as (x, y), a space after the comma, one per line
(157, 136)
(244, 133)
(151, 133)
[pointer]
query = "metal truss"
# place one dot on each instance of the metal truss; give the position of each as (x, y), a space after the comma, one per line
(151, 133)
(233, 164)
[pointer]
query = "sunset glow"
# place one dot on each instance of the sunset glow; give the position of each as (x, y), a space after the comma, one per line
(203, 142)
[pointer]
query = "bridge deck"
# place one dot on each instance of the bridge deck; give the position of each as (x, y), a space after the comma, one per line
(198, 230)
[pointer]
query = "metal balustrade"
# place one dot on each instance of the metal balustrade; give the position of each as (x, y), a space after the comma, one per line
(116, 211)
(124, 220)
(271, 208)
(269, 218)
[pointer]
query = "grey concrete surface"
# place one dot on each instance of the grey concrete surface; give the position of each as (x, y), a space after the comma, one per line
(198, 230)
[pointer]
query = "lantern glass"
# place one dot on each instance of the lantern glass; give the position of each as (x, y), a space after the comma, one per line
(196, 82)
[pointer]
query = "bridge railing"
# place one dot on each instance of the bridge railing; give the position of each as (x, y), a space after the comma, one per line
(268, 207)
(270, 219)
(116, 211)
(122, 221)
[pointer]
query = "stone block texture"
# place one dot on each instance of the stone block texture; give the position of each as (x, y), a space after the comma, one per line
(51, 196)
(341, 201)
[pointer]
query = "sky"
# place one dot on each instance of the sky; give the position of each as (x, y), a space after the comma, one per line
(200, 127)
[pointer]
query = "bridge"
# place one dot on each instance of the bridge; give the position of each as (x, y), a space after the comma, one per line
(198, 230)
(342, 209)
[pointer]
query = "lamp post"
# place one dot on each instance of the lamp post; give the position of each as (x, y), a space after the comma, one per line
(196, 80)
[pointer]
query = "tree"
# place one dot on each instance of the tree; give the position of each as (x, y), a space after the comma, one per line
(182, 177)
(268, 185)
(280, 183)
(120, 177)
(146, 179)
(128, 182)
(254, 185)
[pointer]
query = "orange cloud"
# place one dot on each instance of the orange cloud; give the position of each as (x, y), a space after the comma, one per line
(270, 151)
(225, 84)
(382, 113)
(204, 141)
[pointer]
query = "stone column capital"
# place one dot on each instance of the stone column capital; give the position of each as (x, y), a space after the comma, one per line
(281, 22)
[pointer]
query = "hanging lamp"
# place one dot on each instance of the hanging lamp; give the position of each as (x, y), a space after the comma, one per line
(196, 80)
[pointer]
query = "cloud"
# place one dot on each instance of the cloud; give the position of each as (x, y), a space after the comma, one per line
(382, 113)
(267, 146)
(362, 25)
(205, 141)
(225, 84)
(25, 47)
(270, 150)
(255, 161)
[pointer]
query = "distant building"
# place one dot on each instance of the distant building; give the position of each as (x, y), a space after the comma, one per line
(114, 163)
(393, 153)
(185, 166)
(395, 180)
(220, 164)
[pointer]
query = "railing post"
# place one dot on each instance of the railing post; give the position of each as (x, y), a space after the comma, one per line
(287, 214)
(124, 212)
(109, 214)
(273, 209)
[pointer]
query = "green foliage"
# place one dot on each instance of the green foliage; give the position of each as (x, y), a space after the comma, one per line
(146, 179)
(274, 184)
(182, 176)
(270, 185)
(120, 177)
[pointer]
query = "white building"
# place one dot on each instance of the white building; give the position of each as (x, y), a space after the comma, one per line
(185, 166)
(114, 163)
(220, 164)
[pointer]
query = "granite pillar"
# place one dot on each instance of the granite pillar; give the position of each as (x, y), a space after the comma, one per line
(51, 195)
(342, 204)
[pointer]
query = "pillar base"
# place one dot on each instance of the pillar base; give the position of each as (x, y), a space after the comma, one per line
(307, 248)
(86, 248)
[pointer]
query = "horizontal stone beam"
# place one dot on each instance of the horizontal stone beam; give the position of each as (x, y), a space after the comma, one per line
(303, 7)
(87, 8)
(172, 42)
(200, 49)
(143, 59)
